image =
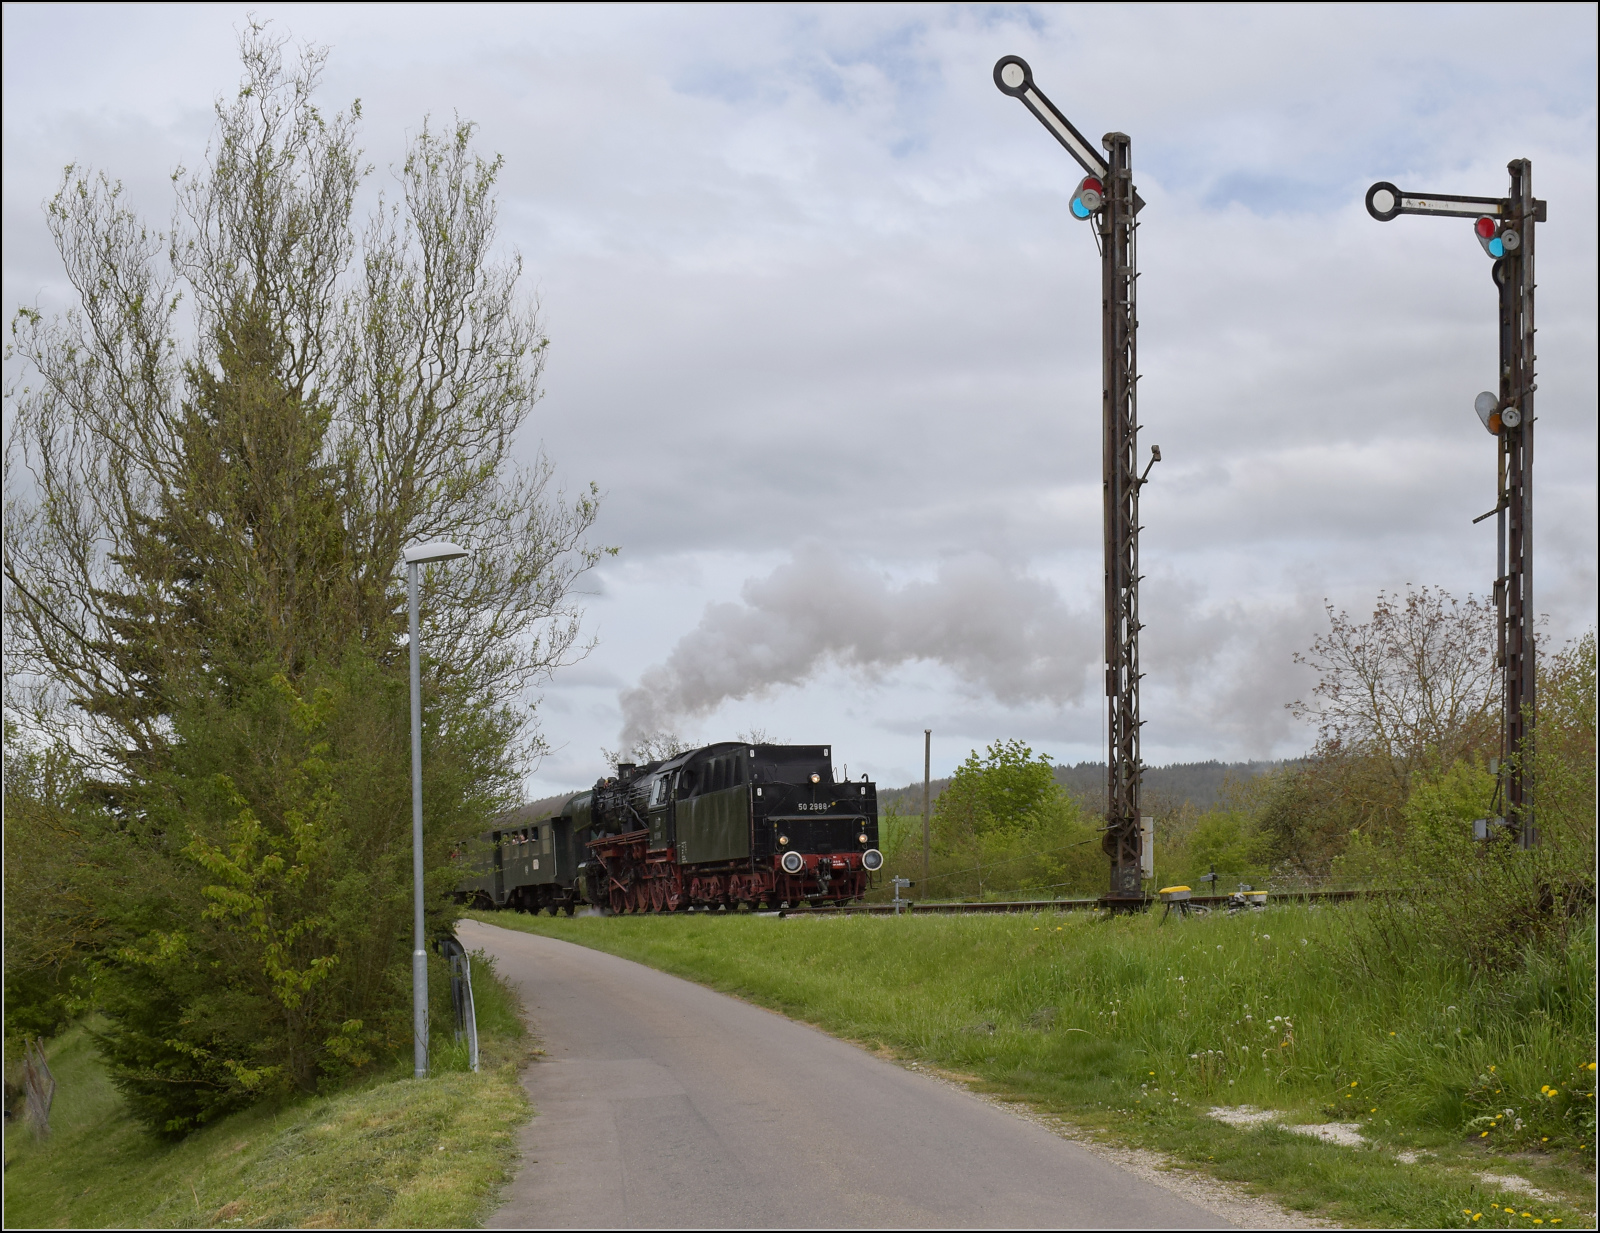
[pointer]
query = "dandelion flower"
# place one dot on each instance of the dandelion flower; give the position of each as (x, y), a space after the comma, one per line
(1484, 1135)
(1353, 1082)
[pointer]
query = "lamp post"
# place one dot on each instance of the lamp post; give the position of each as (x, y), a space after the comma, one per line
(422, 554)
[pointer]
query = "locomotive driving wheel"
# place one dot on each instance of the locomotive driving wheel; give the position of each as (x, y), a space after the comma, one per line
(658, 895)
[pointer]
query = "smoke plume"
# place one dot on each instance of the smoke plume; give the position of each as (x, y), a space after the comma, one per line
(999, 630)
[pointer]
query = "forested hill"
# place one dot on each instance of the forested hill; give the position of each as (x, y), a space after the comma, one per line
(1200, 783)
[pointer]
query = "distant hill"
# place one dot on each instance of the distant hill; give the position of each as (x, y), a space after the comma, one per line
(1199, 783)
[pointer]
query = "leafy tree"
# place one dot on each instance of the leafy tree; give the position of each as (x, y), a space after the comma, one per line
(259, 904)
(52, 924)
(1004, 824)
(203, 605)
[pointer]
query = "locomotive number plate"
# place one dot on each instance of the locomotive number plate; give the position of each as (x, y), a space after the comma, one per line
(818, 806)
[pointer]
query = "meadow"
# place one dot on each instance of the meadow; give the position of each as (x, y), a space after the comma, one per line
(1468, 1096)
(394, 1152)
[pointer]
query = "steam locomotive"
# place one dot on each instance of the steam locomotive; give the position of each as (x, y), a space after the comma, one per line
(728, 824)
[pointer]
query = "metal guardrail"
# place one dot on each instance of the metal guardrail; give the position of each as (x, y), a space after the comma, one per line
(913, 907)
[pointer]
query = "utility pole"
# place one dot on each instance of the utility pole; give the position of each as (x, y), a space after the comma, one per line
(1106, 198)
(1504, 229)
(927, 786)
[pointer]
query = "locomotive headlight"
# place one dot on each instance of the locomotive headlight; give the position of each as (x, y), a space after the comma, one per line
(783, 840)
(815, 778)
(862, 837)
(872, 860)
(792, 862)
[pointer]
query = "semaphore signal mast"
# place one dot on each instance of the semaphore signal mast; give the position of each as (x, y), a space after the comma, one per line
(1503, 227)
(1106, 198)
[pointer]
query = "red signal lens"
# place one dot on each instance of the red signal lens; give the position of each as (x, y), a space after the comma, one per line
(1485, 227)
(1093, 185)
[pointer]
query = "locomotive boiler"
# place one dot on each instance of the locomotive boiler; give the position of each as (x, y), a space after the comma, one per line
(715, 827)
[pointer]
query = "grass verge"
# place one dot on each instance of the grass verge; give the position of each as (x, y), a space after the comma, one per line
(1134, 1031)
(397, 1152)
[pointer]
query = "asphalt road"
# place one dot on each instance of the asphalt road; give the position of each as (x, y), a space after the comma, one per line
(664, 1104)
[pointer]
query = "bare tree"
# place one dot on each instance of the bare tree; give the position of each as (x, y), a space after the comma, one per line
(651, 747)
(1416, 685)
(407, 348)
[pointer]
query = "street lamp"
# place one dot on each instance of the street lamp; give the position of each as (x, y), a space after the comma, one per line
(422, 554)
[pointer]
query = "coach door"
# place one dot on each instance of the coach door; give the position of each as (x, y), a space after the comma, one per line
(499, 869)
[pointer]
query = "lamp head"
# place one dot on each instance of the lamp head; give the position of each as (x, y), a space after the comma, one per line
(438, 550)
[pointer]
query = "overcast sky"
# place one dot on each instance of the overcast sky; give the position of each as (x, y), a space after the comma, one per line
(824, 331)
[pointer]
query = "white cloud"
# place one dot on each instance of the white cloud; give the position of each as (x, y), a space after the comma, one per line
(809, 279)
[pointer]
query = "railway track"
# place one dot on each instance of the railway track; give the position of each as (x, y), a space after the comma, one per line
(915, 908)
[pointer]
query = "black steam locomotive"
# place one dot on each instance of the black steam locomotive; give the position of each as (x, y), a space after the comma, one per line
(728, 824)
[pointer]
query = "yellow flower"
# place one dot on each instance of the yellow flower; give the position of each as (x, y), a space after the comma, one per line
(1352, 1083)
(1374, 1109)
(1484, 1135)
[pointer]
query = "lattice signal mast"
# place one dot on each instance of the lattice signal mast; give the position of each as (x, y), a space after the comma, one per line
(1504, 227)
(1105, 198)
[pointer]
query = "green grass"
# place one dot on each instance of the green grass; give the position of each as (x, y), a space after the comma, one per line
(1134, 1030)
(397, 1152)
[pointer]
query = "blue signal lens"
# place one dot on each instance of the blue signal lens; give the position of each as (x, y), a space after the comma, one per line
(1079, 210)
(1496, 248)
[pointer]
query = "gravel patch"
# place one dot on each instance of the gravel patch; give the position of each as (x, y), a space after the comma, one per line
(1245, 1116)
(1518, 1185)
(1345, 1134)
